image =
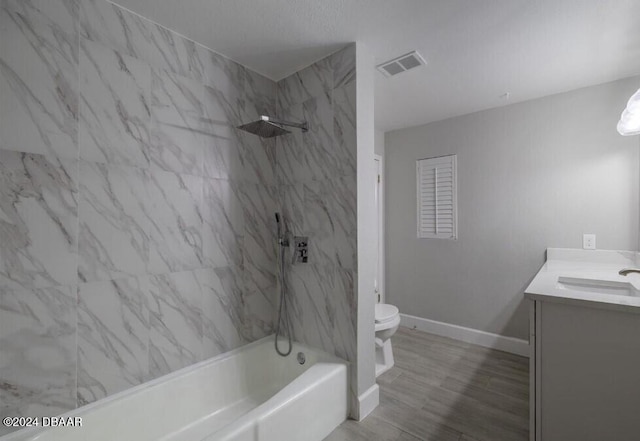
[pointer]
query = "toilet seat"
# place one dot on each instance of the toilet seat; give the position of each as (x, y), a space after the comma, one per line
(388, 325)
(385, 313)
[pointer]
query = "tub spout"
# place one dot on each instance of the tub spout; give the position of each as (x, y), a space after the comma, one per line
(624, 272)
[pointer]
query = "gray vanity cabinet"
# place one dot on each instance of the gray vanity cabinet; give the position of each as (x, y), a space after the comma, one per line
(585, 372)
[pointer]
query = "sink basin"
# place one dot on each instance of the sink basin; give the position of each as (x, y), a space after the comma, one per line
(598, 286)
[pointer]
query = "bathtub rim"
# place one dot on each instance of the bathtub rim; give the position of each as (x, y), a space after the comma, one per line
(291, 392)
(78, 411)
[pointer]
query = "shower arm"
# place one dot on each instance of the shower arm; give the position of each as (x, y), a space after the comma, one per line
(304, 126)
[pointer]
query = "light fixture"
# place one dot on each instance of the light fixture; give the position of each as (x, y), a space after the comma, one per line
(629, 123)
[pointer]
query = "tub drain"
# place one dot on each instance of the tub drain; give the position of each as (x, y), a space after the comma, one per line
(301, 358)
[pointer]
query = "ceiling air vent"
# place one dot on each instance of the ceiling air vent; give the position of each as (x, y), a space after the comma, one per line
(401, 64)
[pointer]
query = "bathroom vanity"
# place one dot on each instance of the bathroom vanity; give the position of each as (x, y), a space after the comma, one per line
(585, 347)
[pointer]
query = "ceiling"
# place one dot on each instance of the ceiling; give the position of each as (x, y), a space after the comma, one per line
(476, 50)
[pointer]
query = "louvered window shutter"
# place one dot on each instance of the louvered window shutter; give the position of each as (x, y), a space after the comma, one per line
(437, 198)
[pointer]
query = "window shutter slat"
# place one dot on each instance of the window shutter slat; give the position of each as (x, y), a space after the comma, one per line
(437, 197)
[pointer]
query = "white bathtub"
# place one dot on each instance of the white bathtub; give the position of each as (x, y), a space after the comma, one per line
(249, 394)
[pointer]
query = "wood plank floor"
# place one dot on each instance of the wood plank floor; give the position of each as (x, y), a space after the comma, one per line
(445, 390)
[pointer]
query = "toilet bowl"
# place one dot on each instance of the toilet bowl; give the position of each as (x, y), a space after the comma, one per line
(387, 322)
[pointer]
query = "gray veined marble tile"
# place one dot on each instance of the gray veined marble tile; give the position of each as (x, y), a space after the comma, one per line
(135, 222)
(292, 208)
(311, 82)
(223, 317)
(223, 153)
(37, 347)
(259, 207)
(260, 282)
(61, 13)
(113, 337)
(258, 158)
(344, 128)
(175, 320)
(177, 149)
(291, 159)
(39, 77)
(110, 25)
(345, 312)
(340, 309)
(321, 157)
(222, 113)
(220, 73)
(169, 50)
(307, 307)
(259, 96)
(114, 107)
(260, 312)
(114, 238)
(177, 139)
(321, 299)
(343, 64)
(196, 55)
(178, 220)
(38, 220)
(330, 218)
(223, 158)
(223, 223)
(177, 100)
(105, 23)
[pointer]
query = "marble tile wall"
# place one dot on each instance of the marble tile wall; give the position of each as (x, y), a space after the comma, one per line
(136, 222)
(316, 176)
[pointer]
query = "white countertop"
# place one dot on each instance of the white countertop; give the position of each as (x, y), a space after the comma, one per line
(602, 265)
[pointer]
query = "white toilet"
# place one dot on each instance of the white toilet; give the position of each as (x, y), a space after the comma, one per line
(387, 322)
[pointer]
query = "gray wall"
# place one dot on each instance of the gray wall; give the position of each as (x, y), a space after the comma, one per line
(530, 176)
(136, 224)
(378, 145)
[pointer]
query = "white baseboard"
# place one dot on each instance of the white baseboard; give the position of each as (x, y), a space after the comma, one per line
(468, 335)
(368, 401)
